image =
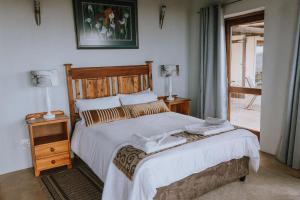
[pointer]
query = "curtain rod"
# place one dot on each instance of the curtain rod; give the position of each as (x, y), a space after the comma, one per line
(228, 3)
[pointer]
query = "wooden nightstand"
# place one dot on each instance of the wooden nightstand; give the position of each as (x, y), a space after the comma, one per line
(50, 141)
(179, 105)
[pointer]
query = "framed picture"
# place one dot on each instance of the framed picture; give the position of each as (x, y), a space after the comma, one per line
(106, 24)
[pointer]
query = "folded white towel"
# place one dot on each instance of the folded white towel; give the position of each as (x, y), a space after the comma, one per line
(158, 142)
(215, 121)
(154, 139)
(206, 129)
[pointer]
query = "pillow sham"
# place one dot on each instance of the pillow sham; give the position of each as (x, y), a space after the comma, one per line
(138, 98)
(105, 115)
(98, 103)
(155, 107)
(141, 92)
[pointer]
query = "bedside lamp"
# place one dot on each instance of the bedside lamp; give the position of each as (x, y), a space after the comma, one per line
(168, 71)
(45, 79)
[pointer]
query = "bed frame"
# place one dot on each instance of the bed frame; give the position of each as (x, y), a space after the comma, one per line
(95, 82)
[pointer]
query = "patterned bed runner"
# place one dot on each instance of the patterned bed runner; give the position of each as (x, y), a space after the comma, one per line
(128, 157)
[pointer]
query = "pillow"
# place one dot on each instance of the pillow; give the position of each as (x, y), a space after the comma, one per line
(141, 92)
(98, 103)
(155, 107)
(105, 115)
(138, 98)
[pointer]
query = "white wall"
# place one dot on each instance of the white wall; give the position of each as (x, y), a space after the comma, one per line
(25, 47)
(237, 61)
(251, 57)
(280, 26)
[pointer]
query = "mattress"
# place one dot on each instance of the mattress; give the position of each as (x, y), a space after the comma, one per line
(98, 144)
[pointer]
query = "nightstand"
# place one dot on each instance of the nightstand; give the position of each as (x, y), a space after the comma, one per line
(50, 141)
(179, 105)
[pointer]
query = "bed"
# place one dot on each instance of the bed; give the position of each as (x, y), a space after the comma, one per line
(182, 173)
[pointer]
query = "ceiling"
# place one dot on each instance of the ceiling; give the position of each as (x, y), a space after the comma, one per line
(249, 29)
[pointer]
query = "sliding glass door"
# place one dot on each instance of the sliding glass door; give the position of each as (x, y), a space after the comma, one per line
(244, 44)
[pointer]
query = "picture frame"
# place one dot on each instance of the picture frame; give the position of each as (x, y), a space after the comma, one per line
(106, 24)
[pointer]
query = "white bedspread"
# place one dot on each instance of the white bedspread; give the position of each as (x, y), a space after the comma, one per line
(98, 144)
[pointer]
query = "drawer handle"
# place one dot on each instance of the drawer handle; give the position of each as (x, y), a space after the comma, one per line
(52, 149)
(53, 162)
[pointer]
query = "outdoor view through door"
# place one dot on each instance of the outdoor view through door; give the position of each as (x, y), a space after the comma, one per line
(245, 41)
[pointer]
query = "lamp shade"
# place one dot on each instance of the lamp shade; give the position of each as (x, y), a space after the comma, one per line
(44, 78)
(169, 70)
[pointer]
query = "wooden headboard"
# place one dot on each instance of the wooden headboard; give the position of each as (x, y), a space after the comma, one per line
(95, 82)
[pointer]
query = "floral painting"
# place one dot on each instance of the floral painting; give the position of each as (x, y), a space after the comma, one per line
(106, 23)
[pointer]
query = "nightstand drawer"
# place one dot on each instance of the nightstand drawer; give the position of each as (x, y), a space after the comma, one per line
(51, 149)
(54, 161)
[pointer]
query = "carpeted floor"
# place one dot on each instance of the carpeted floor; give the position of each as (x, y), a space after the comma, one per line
(273, 182)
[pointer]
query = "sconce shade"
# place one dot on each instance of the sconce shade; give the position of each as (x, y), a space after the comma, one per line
(44, 78)
(169, 70)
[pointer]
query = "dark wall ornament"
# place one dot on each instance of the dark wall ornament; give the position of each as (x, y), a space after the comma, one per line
(162, 14)
(37, 12)
(106, 24)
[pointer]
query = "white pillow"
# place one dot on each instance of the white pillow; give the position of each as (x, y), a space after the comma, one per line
(98, 103)
(141, 92)
(138, 98)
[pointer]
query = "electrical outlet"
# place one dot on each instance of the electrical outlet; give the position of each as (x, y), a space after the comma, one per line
(25, 143)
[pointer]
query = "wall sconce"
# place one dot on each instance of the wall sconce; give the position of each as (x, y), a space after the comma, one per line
(37, 11)
(162, 13)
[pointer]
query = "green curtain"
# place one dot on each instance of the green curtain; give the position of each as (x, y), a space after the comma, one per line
(212, 93)
(289, 148)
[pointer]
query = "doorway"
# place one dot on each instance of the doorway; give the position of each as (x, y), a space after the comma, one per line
(244, 48)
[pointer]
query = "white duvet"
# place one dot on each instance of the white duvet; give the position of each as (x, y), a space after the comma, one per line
(98, 144)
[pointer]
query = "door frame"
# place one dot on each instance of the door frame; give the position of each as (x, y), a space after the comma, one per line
(233, 21)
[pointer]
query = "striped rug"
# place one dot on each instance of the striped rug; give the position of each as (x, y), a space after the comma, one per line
(79, 183)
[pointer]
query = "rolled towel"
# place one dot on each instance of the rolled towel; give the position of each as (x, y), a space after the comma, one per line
(206, 129)
(156, 143)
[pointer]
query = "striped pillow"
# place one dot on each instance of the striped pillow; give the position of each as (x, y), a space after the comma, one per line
(105, 115)
(151, 108)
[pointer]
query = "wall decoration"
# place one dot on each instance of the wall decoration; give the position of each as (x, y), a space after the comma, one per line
(37, 11)
(162, 14)
(106, 24)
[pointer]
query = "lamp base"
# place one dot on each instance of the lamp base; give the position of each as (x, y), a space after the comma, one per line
(170, 98)
(49, 115)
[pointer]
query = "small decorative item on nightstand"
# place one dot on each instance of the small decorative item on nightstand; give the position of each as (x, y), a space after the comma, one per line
(50, 141)
(179, 105)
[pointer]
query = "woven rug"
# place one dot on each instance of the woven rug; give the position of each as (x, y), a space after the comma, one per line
(79, 183)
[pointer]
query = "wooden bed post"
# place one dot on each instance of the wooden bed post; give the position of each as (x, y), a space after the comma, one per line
(70, 94)
(149, 63)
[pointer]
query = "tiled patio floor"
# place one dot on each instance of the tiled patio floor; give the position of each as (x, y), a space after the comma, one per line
(243, 117)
